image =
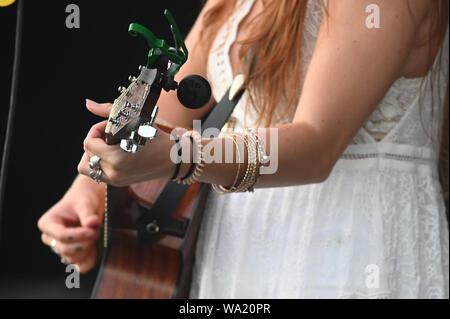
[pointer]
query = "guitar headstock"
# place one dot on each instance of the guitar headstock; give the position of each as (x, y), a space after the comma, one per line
(131, 118)
(133, 113)
(127, 107)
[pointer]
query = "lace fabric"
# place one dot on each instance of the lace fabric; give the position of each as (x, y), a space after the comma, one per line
(379, 213)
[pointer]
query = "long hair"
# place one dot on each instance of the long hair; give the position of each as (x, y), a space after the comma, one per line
(274, 46)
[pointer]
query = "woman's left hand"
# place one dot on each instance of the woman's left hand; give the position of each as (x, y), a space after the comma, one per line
(120, 168)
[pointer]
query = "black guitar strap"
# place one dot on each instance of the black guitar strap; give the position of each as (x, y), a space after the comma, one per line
(159, 218)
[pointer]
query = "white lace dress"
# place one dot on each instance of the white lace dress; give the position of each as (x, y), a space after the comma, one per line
(376, 228)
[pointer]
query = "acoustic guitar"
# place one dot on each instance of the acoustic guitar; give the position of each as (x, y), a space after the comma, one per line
(150, 228)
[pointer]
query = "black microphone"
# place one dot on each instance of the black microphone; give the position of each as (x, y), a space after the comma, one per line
(194, 91)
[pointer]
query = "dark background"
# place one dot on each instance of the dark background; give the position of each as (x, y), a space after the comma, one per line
(61, 68)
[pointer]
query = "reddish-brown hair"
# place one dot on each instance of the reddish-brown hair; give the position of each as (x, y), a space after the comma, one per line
(276, 41)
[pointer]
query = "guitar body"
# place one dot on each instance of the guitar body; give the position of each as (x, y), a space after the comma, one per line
(160, 270)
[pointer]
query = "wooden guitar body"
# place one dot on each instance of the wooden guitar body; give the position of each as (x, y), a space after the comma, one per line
(160, 270)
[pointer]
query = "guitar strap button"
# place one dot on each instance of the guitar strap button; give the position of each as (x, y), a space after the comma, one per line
(152, 227)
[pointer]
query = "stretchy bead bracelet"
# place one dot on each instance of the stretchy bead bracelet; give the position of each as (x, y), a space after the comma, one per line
(198, 159)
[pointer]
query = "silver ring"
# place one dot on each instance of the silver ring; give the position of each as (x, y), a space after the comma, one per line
(53, 246)
(96, 175)
(94, 162)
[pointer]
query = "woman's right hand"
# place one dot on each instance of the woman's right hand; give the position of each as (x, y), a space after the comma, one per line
(73, 224)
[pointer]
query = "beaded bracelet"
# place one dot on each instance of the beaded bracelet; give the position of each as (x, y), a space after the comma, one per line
(198, 159)
(262, 155)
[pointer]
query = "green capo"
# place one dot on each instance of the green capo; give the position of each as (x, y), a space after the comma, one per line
(160, 47)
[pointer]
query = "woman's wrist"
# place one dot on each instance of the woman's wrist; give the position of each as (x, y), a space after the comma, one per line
(243, 171)
(223, 171)
(193, 154)
(179, 151)
(194, 165)
(83, 187)
(200, 163)
(83, 182)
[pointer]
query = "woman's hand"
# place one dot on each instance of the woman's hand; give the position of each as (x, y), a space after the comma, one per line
(73, 224)
(120, 168)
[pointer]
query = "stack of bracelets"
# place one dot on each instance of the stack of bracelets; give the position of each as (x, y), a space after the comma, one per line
(256, 158)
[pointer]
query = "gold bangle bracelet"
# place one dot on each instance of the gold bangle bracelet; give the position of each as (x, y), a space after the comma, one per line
(222, 189)
(255, 168)
(251, 164)
(256, 157)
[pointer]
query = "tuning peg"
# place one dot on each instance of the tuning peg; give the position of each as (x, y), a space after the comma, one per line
(146, 132)
(116, 122)
(125, 114)
(135, 107)
(140, 68)
(131, 144)
(132, 78)
(138, 138)
(128, 146)
(122, 89)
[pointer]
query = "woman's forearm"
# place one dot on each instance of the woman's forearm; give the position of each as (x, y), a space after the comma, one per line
(297, 157)
(85, 185)
(296, 154)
